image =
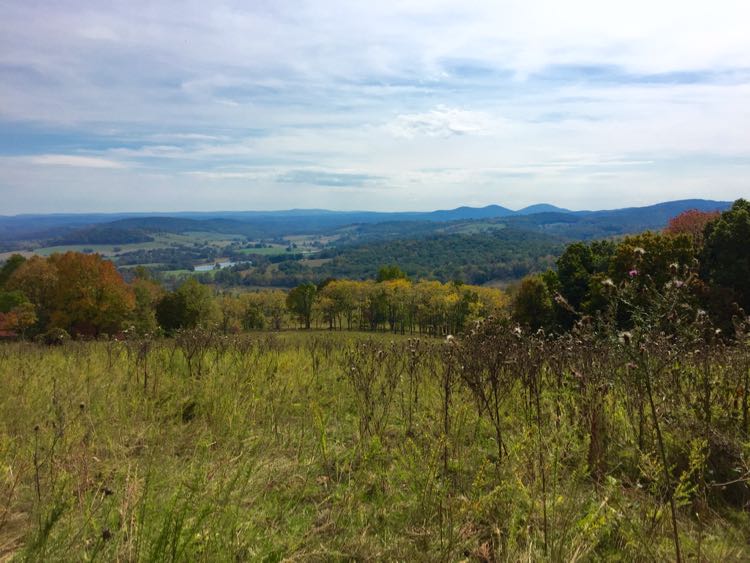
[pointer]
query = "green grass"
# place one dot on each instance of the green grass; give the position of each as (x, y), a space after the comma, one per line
(160, 241)
(256, 452)
(273, 251)
(163, 240)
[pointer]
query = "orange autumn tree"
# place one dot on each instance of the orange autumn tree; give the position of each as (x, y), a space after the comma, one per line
(81, 293)
(36, 279)
(91, 297)
(18, 320)
(692, 223)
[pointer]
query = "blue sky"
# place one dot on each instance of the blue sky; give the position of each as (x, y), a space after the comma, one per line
(160, 106)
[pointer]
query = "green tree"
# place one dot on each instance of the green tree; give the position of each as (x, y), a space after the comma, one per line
(189, 306)
(532, 304)
(726, 254)
(171, 312)
(147, 294)
(253, 314)
(648, 258)
(10, 300)
(577, 265)
(300, 301)
(10, 266)
(391, 272)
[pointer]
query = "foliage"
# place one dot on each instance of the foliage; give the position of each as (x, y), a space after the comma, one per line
(18, 319)
(576, 267)
(692, 223)
(532, 304)
(300, 302)
(649, 258)
(10, 300)
(387, 273)
(476, 258)
(82, 294)
(10, 266)
(147, 294)
(726, 255)
(189, 306)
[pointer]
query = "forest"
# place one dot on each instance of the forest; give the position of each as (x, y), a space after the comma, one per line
(596, 411)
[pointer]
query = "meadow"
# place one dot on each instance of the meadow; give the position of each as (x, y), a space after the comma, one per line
(500, 445)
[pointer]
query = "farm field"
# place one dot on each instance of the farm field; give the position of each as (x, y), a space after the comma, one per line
(339, 446)
(273, 250)
(162, 240)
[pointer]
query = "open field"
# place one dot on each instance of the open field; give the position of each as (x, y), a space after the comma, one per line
(274, 250)
(327, 446)
(163, 240)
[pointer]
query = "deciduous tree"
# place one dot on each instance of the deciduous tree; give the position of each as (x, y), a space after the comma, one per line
(300, 301)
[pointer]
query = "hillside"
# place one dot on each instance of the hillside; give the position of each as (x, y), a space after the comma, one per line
(317, 220)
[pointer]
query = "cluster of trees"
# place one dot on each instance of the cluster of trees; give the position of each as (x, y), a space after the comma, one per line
(177, 257)
(80, 293)
(707, 250)
(392, 302)
(84, 295)
(476, 258)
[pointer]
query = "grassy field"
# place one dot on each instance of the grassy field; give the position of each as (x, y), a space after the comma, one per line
(274, 250)
(319, 447)
(160, 241)
(163, 240)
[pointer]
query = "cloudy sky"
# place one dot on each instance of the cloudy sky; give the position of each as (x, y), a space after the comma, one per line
(141, 106)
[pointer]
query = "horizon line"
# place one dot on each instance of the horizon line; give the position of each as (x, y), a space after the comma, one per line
(337, 211)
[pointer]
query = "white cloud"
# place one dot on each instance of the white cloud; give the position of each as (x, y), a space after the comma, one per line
(442, 121)
(541, 99)
(73, 160)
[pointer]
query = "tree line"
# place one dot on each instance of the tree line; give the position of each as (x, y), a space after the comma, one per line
(83, 295)
(706, 251)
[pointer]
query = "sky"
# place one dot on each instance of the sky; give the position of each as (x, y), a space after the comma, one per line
(387, 105)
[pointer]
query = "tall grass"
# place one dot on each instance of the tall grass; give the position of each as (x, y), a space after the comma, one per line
(499, 446)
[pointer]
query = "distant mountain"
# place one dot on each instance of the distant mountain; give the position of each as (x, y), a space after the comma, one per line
(541, 208)
(584, 225)
(542, 217)
(466, 213)
(665, 211)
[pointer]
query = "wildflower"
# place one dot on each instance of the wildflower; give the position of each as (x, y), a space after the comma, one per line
(632, 273)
